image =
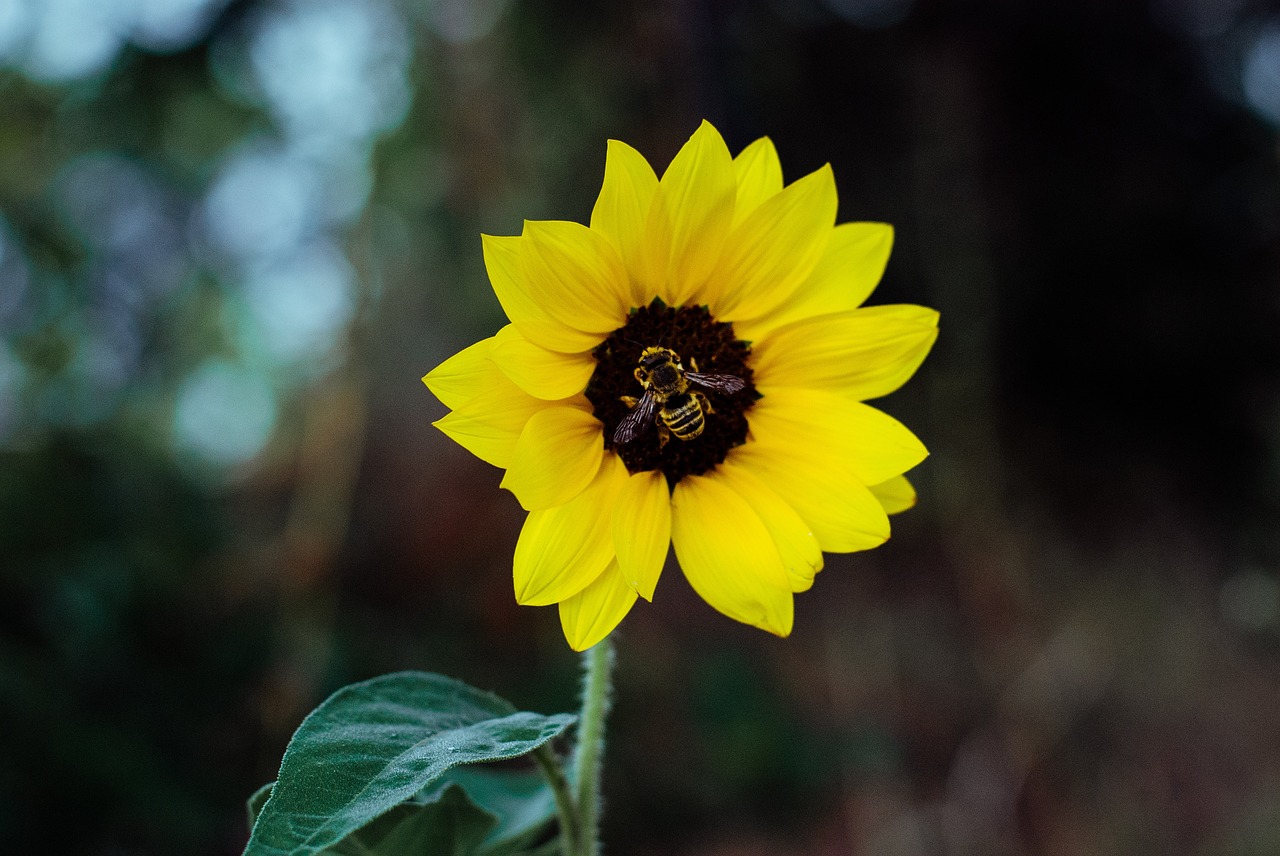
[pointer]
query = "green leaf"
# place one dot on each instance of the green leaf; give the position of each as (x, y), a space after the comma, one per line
(372, 746)
(522, 802)
(445, 821)
(255, 803)
(448, 824)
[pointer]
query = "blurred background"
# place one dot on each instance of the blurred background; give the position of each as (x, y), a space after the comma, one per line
(234, 235)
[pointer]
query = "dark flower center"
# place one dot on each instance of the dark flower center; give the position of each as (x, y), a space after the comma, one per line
(695, 337)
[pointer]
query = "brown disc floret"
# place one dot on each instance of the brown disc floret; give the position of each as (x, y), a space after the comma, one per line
(696, 337)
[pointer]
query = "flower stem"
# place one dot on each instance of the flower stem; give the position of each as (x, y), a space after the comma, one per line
(554, 774)
(596, 698)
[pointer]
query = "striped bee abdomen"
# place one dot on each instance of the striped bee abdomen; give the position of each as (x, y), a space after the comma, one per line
(683, 416)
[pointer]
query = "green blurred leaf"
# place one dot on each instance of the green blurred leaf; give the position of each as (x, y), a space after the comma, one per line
(372, 746)
(522, 802)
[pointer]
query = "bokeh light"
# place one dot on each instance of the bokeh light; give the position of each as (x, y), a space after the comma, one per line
(333, 72)
(300, 305)
(74, 38)
(15, 24)
(172, 25)
(1262, 73)
(262, 204)
(224, 413)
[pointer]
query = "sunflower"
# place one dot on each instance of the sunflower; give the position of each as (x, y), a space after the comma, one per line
(716, 316)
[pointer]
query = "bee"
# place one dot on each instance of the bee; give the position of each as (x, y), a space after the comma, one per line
(671, 397)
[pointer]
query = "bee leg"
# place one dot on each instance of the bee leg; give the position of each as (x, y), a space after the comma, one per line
(629, 400)
(693, 361)
(664, 434)
(641, 377)
(705, 402)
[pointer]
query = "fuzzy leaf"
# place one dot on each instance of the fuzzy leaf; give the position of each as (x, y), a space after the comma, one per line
(522, 802)
(375, 745)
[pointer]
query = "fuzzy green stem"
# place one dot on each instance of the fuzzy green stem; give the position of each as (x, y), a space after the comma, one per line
(596, 698)
(559, 784)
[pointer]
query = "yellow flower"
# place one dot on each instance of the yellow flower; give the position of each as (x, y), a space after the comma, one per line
(715, 272)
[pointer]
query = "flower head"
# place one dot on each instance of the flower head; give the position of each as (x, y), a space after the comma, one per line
(690, 369)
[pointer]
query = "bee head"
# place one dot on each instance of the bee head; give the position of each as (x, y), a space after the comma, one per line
(651, 358)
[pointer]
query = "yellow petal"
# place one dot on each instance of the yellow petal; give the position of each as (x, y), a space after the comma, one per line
(895, 495)
(592, 614)
(541, 373)
(849, 270)
(490, 444)
(621, 211)
(502, 260)
(864, 353)
(728, 554)
(561, 550)
(557, 455)
(642, 530)
(575, 274)
(826, 494)
(556, 336)
(489, 424)
(691, 215)
(759, 175)
(795, 541)
(776, 247)
(464, 375)
(507, 406)
(872, 444)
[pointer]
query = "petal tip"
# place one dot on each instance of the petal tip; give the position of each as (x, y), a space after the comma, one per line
(645, 590)
(782, 629)
(706, 129)
(582, 644)
(504, 485)
(886, 231)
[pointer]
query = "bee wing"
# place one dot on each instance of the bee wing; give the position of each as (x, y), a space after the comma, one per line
(637, 420)
(723, 383)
